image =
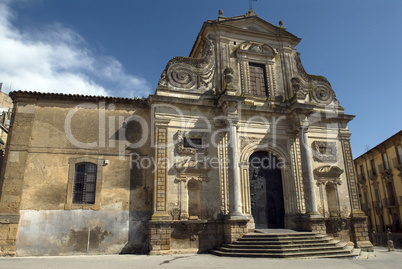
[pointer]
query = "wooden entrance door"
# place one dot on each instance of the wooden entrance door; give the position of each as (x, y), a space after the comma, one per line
(266, 191)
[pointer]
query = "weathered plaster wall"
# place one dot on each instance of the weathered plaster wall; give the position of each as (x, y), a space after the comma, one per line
(119, 224)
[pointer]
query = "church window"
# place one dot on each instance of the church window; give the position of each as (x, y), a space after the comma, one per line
(85, 183)
(258, 80)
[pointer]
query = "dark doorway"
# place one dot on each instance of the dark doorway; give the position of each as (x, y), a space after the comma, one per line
(266, 190)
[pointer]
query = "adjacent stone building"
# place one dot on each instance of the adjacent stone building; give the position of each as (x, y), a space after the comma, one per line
(379, 172)
(6, 105)
(237, 136)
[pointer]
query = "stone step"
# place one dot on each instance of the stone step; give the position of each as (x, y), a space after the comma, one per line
(286, 245)
(296, 234)
(279, 246)
(292, 236)
(345, 252)
(286, 250)
(285, 241)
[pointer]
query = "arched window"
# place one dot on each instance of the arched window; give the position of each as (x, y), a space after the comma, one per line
(85, 183)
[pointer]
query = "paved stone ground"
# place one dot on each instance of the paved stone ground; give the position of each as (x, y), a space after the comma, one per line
(380, 258)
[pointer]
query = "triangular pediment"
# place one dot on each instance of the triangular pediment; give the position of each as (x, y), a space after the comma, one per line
(254, 24)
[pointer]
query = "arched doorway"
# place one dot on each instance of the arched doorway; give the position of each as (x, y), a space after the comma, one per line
(266, 191)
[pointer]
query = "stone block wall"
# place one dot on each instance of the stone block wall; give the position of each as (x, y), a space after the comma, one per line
(360, 233)
(8, 234)
(308, 224)
(234, 229)
(160, 236)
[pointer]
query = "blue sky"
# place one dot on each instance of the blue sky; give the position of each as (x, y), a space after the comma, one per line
(120, 48)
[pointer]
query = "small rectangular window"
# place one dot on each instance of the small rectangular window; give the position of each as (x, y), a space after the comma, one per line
(258, 80)
(192, 142)
(85, 183)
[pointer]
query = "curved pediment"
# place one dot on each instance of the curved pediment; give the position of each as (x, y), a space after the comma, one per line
(328, 171)
(250, 47)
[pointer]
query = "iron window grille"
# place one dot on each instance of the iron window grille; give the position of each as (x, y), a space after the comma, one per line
(85, 183)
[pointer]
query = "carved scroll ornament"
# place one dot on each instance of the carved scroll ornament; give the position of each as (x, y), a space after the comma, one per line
(190, 73)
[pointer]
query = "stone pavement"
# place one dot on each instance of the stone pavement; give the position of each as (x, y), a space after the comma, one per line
(380, 258)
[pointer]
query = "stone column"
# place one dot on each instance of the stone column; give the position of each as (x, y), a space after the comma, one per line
(235, 211)
(183, 198)
(309, 188)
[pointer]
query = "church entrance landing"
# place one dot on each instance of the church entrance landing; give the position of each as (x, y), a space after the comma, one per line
(266, 191)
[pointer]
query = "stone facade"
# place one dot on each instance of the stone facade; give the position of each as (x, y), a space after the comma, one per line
(176, 172)
(379, 173)
(6, 106)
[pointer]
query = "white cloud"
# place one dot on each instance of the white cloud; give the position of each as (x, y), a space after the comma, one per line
(57, 59)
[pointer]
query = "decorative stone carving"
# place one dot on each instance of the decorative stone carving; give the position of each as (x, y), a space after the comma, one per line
(298, 89)
(256, 48)
(190, 73)
(325, 151)
(323, 94)
(387, 176)
(328, 173)
(183, 149)
(265, 142)
(318, 86)
(192, 165)
(228, 75)
(175, 213)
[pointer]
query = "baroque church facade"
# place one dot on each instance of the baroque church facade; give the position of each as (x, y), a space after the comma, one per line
(237, 137)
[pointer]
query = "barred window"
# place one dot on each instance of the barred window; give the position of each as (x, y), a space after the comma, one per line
(258, 81)
(85, 183)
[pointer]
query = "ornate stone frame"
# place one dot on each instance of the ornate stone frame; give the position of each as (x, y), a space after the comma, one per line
(70, 186)
(280, 151)
(331, 148)
(182, 150)
(260, 53)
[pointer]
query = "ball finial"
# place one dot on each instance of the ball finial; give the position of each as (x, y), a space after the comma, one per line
(220, 13)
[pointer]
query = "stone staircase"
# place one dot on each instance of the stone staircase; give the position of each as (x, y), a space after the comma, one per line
(287, 245)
